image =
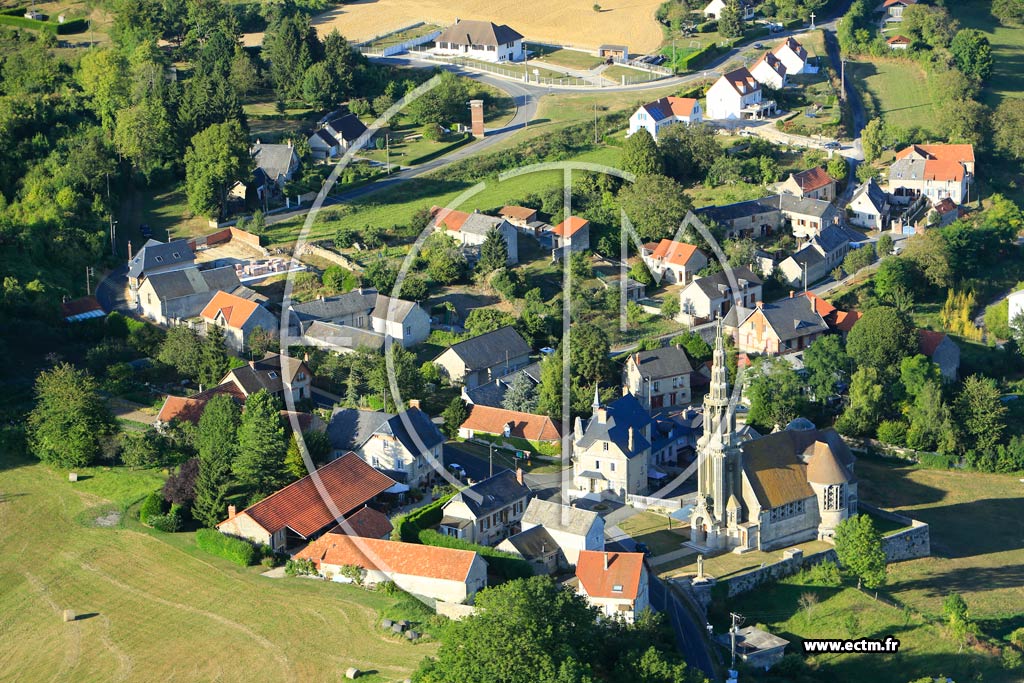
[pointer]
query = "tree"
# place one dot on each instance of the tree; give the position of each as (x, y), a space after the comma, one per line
(982, 414)
(827, 364)
(216, 159)
(867, 403)
(70, 422)
(930, 421)
(216, 441)
(182, 349)
(338, 279)
(997, 319)
(103, 75)
(670, 307)
(656, 206)
(1008, 127)
(916, 371)
(454, 415)
(213, 360)
(180, 487)
(837, 168)
(259, 464)
(694, 345)
(769, 169)
(521, 395)
(894, 274)
(931, 254)
(965, 121)
(1008, 12)
(774, 391)
(444, 104)
(493, 252)
(884, 246)
(143, 133)
(640, 154)
(140, 449)
(589, 348)
(381, 276)
(730, 20)
(859, 549)
(291, 46)
(972, 53)
(483, 320)
(244, 77)
(872, 140)
(688, 151)
(954, 609)
(317, 87)
(445, 262)
(294, 465)
(881, 339)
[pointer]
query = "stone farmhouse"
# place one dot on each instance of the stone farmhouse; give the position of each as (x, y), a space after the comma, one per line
(814, 183)
(479, 360)
(659, 378)
(553, 535)
(935, 171)
(869, 207)
(713, 296)
(470, 230)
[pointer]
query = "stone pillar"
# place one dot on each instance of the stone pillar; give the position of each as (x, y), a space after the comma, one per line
(476, 110)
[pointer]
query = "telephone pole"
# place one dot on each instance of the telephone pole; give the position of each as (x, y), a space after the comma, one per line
(490, 459)
(737, 619)
(88, 282)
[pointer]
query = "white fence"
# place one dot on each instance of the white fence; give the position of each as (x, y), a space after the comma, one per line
(366, 46)
(644, 502)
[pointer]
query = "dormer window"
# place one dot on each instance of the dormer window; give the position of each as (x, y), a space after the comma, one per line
(159, 259)
(176, 255)
(272, 375)
(617, 588)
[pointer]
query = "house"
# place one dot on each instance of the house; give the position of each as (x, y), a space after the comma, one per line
(754, 218)
(510, 424)
(898, 42)
(336, 135)
(713, 10)
(190, 408)
(483, 40)
(306, 508)
(713, 296)
(814, 183)
(935, 171)
(612, 452)
(807, 217)
(572, 234)
(277, 162)
(869, 207)
(489, 511)
(947, 211)
(83, 308)
(479, 360)
(278, 374)
(493, 393)
(776, 328)
(819, 256)
(238, 317)
(159, 257)
(553, 535)
(793, 56)
(660, 378)
(674, 262)
(471, 229)
(615, 583)
(737, 95)
(942, 351)
(754, 646)
(519, 216)
(773, 491)
(445, 574)
(892, 10)
(357, 319)
(659, 114)
(769, 71)
(182, 294)
(407, 446)
(618, 53)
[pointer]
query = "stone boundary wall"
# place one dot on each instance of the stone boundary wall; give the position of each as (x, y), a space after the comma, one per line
(228, 234)
(454, 610)
(328, 255)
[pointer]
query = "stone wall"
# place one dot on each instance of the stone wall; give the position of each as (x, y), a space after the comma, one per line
(454, 610)
(328, 255)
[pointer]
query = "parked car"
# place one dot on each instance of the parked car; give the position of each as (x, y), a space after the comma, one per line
(833, 145)
(758, 46)
(457, 469)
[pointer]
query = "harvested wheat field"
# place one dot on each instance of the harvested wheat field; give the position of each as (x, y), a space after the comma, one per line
(571, 22)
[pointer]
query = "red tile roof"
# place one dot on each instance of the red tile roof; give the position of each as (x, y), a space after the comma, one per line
(928, 341)
(813, 179)
(573, 224)
(393, 557)
(623, 572)
(899, 40)
(524, 425)
(682, 106)
(741, 81)
(348, 482)
(942, 162)
(676, 253)
(190, 408)
(236, 310)
(845, 320)
(449, 218)
(521, 212)
(890, 3)
(821, 307)
(365, 522)
(946, 206)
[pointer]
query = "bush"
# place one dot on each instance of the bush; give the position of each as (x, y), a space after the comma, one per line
(409, 525)
(388, 587)
(505, 565)
(153, 506)
(893, 432)
(269, 561)
(300, 567)
(934, 461)
(824, 574)
(237, 550)
(707, 27)
(171, 522)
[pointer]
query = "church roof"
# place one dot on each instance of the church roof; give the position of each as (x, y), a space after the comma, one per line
(824, 467)
(777, 467)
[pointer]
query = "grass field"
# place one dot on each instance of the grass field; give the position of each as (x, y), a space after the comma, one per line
(653, 529)
(154, 607)
(1007, 48)
(895, 89)
(565, 23)
(570, 59)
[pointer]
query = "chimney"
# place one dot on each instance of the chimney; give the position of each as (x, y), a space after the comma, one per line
(519, 476)
(602, 416)
(232, 511)
(631, 439)
(606, 561)
(305, 357)
(129, 250)
(414, 403)
(252, 364)
(760, 304)
(792, 294)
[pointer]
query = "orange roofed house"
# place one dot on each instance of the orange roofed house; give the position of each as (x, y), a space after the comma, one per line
(573, 234)
(814, 183)
(509, 424)
(471, 229)
(935, 171)
(298, 512)
(660, 114)
(238, 318)
(675, 262)
(614, 583)
(440, 573)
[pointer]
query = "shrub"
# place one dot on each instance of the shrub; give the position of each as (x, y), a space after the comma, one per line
(237, 550)
(506, 565)
(824, 574)
(269, 561)
(408, 526)
(352, 572)
(934, 461)
(388, 587)
(893, 432)
(151, 507)
(300, 567)
(171, 522)
(1017, 637)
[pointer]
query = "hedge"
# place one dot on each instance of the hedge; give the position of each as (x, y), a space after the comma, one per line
(794, 23)
(758, 32)
(68, 27)
(506, 565)
(152, 506)
(409, 525)
(691, 60)
(707, 27)
(237, 550)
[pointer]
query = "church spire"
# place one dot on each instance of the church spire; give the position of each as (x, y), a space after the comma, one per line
(717, 411)
(597, 399)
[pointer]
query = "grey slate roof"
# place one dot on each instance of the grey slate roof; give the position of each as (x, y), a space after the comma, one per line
(266, 373)
(832, 238)
(154, 255)
(622, 414)
(793, 317)
(467, 32)
(480, 224)
(730, 212)
(348, 127)
(534, 543)
(274, 160)
(490, 349)
(804, 206)
(807, 256)
(324, 137)
(492, 493)
(350, 429)
(712, 284)
(875, 194)
(551, 515)
(666, 361)
(493, 393)
(395, 310)
(907, 168)
(332, 307)
(328, 334)
(187, 281)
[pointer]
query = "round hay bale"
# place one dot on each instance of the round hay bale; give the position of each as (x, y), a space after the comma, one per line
(352, 673)
(386, 623)
(397, 628)
(68, 615)
(412, 635)
(405, 624)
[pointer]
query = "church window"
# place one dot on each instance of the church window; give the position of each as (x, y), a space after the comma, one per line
(834, 497)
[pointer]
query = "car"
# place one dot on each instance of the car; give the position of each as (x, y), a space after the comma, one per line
(757, 46)
(832, 145)
(547, 351)
(457, 469)
(746, 133)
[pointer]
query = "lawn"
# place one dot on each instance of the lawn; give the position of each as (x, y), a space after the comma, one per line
(727, 564)
(504, 458)
(570, 59)
(623, 75)
(166, 211)
(1007, 48)
(402, 36)
(925, 650)
(660, 533)
(154, 607)
(895, 89)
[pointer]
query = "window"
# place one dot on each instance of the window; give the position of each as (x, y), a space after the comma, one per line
(617, 588)
(611, 466)
(272, 375)
(604, 446)
(176, 255)
(159, 259)
(597, 465)
(834, 497)
(657, 386)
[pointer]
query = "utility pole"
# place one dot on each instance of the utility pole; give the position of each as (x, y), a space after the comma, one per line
(387, 150)
(737, 619)
(595, 124)
(88, 282)
(113, 236)
(842, 79)
(490, 459)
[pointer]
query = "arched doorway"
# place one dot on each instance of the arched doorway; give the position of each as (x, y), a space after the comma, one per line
(698, 534)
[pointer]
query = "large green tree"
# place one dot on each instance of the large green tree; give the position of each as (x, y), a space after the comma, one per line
(730, 20)
(493, 252)
(259, 464)
(291, 46)
(213, 358)
(656, 206)
(775, 393)
(588, 352)
(881, 339)
(640, 154)
(1008, 127)
(216, 441)
(443, 104)
(216, 159)
(867, 403)
(70, 422)
(982, 414)
(972, 53)
(872, 139)
(182, 349)
(521, 395)
(827, 364)
(859, 548)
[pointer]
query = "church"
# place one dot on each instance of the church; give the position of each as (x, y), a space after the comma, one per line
(794, 485)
